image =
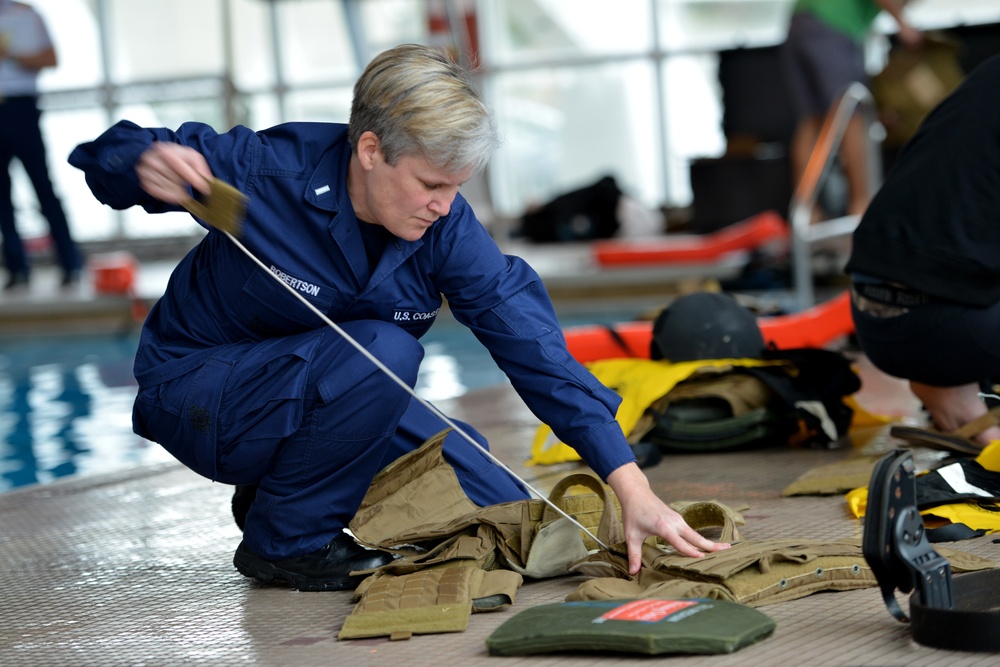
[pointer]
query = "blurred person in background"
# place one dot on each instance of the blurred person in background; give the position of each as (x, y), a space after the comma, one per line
(925, 263)
(25, 50)
(822, 55)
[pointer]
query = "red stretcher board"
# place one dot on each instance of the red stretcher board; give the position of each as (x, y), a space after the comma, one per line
(752, 233)
(813, 327)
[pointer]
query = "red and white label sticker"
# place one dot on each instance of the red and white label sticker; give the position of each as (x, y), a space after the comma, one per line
(648, 611)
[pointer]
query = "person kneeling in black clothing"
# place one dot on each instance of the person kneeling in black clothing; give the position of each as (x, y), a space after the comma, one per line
(925, 264)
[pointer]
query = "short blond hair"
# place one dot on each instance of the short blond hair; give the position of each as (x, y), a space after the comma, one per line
(418, 101)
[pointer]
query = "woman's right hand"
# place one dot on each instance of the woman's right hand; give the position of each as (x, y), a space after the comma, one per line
(168, 171)
(644, 514)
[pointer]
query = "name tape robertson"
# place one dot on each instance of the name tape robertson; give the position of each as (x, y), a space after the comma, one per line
(295, 283)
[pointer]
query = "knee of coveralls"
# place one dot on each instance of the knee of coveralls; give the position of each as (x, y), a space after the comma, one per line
(246, 397)
(313, 481)
(484, 482)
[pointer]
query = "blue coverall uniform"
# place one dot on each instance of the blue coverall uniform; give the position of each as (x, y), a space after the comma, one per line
(243, 384)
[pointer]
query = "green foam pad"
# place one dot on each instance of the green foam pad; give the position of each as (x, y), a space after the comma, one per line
(644, 626)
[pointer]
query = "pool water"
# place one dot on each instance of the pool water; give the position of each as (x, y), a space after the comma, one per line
(65, 409)
(66, 403)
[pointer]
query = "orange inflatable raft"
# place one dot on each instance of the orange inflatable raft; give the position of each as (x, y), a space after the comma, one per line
(813, 327)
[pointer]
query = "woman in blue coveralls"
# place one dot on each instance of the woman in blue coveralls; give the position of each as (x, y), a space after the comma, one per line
(245, 385)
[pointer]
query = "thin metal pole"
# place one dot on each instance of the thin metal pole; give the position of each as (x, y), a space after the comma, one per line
(356, 29)
(107, 88)
(230, 94)
(280, 87)
(661, 96)
(814, 176)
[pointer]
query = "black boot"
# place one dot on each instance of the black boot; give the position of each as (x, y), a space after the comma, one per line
(326, 569)
(16, 281)
(243, 498)
(70, 278)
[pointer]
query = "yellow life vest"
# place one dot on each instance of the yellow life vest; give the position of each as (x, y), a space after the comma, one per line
(639, 382)
(967, 513)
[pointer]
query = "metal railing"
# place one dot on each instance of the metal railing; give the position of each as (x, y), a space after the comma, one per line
(805, 232)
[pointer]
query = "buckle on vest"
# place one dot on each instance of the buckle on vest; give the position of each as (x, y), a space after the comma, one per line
(895, 543)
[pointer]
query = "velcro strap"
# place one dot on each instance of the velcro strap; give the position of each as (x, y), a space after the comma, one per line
(429, 601)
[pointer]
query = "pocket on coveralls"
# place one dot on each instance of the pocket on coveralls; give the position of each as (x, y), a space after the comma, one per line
(265, 307)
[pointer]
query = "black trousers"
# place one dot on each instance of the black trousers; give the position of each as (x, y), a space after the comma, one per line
(938, 343)
(21, 138)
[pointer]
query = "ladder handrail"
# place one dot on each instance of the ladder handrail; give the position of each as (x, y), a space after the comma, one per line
(804, 231)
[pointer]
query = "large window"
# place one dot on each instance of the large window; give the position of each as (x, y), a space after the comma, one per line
(582, 88)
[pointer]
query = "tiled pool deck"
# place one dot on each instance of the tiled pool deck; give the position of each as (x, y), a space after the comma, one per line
(135, 568)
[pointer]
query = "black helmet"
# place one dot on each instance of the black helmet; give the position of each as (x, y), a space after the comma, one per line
(706, 325)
